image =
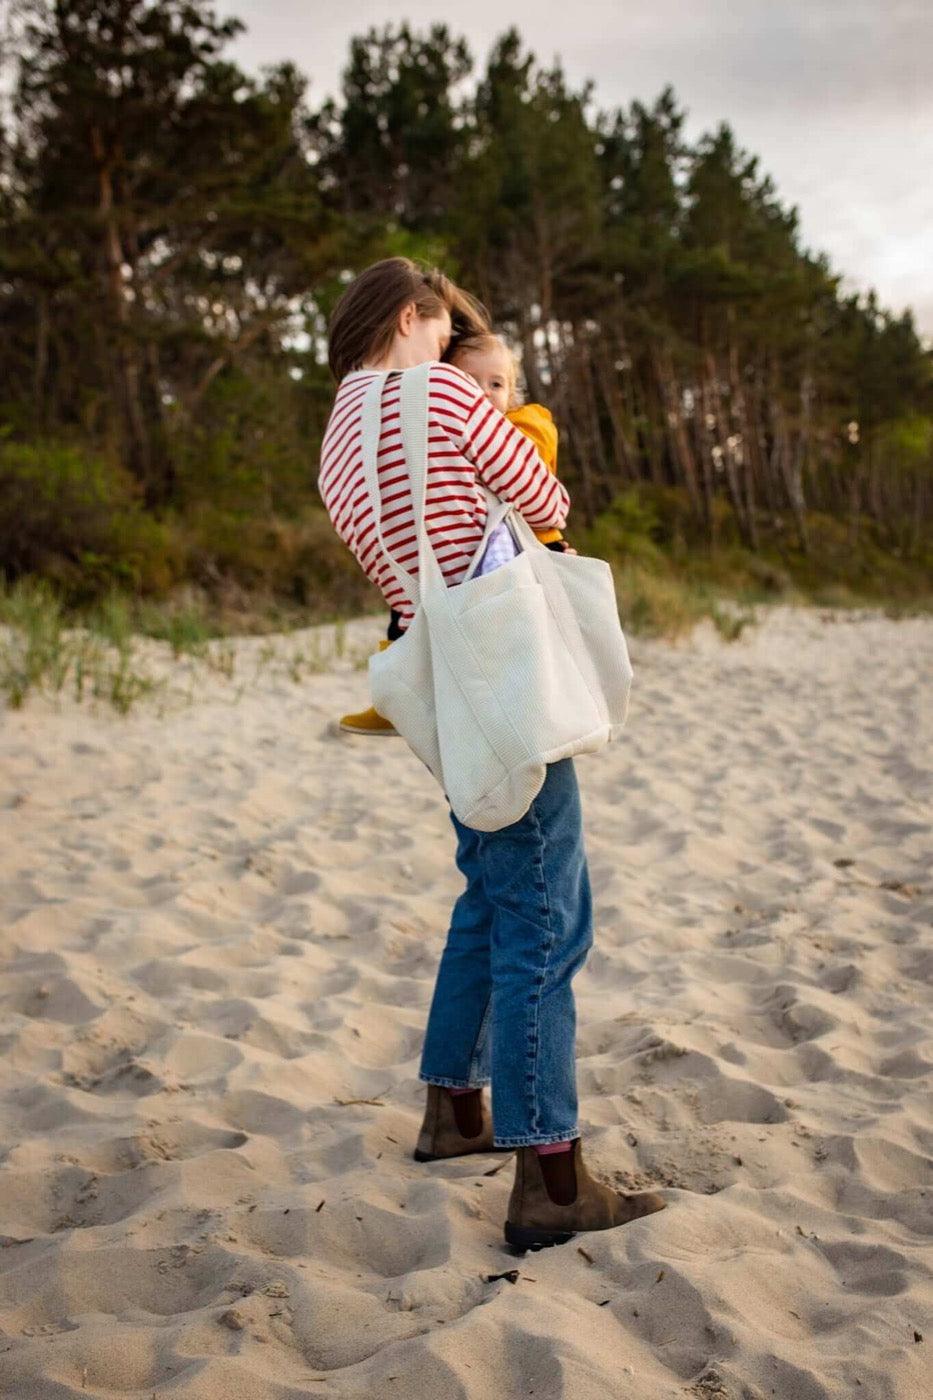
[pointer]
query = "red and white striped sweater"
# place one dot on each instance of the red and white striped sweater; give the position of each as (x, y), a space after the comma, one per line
(467, 439)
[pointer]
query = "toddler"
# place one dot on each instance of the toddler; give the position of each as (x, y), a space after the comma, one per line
(485, 357)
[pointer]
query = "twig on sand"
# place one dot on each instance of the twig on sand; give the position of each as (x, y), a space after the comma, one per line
(377, 1101)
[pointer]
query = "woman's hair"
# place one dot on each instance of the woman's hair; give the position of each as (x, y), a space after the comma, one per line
(479, 342)
(363, 323)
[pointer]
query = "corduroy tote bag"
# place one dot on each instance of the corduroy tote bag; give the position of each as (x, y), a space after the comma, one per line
(500, 674)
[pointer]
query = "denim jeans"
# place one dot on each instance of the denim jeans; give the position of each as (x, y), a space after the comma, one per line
(503, 1004)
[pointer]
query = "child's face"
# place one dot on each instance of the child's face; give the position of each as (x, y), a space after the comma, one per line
(490, 369)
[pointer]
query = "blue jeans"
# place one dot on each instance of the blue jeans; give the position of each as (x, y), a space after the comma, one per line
(503, 1005)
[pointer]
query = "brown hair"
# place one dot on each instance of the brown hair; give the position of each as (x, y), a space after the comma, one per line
(478, 342)
(363, 323)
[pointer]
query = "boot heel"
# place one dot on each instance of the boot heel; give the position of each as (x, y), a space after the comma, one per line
(525, 1237)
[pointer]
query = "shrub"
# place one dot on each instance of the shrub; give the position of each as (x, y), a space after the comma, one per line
(73, 518)
(300, 561)
(245, 450)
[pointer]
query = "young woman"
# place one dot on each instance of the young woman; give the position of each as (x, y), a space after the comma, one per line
(503, 1006)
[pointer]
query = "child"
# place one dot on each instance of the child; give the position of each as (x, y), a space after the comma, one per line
(485, 358)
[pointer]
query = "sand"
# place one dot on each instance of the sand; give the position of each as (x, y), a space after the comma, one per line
(221, 923)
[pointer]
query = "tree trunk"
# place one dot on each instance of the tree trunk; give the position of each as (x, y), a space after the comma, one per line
(916, 524)
(598, 488)
(138, 448)
(680, 442)
(787, 458)
(744, 455)
(729, 465)
(796, 460)
(41, 367)
(702, 415)
(783, 465)
(579, 423)
(652, 431)
(622, 454)
(760, 430)
(530, 360)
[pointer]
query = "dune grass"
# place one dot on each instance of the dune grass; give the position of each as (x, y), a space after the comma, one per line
(99, 653)
(40, 651)
(667, 582)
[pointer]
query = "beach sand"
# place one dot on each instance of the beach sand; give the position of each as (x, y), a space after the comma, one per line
(221, 923)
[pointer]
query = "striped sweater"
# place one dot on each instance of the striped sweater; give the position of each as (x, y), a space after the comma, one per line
(468, 441)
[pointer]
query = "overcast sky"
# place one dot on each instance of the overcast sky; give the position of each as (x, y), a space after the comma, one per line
(834, 96)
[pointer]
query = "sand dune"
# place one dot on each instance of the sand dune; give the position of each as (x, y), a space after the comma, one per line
(220, 927)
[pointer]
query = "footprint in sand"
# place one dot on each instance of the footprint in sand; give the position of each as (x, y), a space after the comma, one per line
(867, 1268)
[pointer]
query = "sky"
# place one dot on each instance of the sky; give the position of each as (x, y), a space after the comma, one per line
(834, 96)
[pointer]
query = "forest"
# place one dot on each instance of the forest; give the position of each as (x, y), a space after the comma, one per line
(174, 232)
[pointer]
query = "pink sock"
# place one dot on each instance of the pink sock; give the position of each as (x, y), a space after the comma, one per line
(544, 1149)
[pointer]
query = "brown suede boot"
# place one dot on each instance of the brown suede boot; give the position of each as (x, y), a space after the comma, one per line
(534, 1219)
(452, 1127)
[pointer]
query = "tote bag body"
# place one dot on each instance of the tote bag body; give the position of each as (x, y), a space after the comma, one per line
(501, 674)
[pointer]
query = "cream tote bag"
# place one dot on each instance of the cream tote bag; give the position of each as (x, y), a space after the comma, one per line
(503, 673)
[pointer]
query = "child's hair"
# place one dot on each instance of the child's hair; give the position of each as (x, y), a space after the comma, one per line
(479, 341)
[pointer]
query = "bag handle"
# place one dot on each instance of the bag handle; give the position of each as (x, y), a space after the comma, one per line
(372, 428)
(414, 426)
(498, 512)
(414, 406)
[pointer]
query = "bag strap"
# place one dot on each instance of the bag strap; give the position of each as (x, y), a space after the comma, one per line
(497, 513)
(414, 425)
(413, 406)
(560, 603)
(526, 535)
(371, 423)
(414, 403)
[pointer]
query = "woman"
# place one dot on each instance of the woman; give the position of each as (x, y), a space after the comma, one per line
(503, 1005)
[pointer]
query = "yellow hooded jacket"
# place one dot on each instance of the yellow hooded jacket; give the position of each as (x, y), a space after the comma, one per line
(535, 421)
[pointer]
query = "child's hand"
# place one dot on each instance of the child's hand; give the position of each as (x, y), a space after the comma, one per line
(561, 547)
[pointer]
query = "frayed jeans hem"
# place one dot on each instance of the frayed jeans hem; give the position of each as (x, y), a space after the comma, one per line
(541, 1140)
(451, 1083)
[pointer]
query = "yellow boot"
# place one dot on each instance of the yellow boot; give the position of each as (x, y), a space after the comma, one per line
(369, 721)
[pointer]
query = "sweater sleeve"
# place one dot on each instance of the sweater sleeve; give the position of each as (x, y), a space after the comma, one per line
(537, 423)
(507, 462)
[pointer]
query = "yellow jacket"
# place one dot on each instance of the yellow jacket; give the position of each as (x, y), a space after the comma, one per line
(535, 421)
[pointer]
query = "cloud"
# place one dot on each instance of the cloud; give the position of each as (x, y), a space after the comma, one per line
(814, 56)
(834, 96)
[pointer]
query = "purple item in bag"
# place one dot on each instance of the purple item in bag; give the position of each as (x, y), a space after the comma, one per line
(500, 548)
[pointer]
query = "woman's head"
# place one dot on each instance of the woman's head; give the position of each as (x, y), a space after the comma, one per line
(397, 313)
(487, 359)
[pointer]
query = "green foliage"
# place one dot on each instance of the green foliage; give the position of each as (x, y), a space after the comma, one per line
(186, 627)
(667, 582)
(243, 453)
(631, 528)
(95, 655)
(75, 518)
(397, 144)
(299, 562)
(33, 651)
(527, 207)
(910, 441)
(38, 652)
(174, 233)
(161, 218)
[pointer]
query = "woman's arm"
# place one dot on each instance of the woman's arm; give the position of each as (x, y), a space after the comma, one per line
(505, 459)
